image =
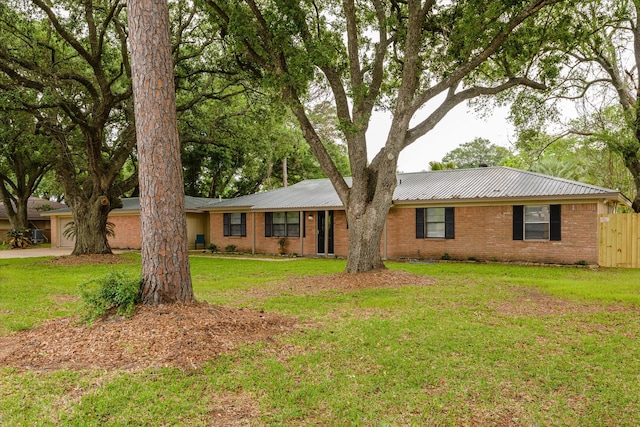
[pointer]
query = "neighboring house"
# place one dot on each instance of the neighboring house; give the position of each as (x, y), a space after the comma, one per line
(126, 220)
(36, 207)
(493, 213)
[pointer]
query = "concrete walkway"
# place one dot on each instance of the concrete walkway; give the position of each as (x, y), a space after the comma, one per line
(40, 252)
(34, 252)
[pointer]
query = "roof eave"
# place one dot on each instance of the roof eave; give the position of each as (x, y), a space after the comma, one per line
(617, 197)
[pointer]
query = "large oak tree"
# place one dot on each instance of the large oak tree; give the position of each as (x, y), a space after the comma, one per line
(73, 58)
(416, 59)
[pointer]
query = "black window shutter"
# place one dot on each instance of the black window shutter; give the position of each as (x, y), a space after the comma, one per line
(449, 227)
(555, 221)
(226, 227)
(243, 224)
(268, 221)
(420, 223)
(518, 222)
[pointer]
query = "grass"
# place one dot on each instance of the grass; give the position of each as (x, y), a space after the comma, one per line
(471, 349)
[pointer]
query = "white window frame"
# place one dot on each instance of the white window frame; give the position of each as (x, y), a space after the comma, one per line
(533, 222)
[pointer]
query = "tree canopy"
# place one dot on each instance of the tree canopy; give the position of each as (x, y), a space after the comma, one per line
(598, 54)
(477, 153)
(394, 55)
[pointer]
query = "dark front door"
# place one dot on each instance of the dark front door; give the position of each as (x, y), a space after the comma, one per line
(325, 223)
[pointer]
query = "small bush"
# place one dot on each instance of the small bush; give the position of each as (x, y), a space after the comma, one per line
(212, 247)
(115, 291)
(446, 256)
(582, 262)
(230, 248)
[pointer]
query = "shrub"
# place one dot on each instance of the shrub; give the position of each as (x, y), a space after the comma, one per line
(114, 292)
(446, 256)
(230, 248)
(212, 247)
(70, 230)
(18, 238)
(582, 262)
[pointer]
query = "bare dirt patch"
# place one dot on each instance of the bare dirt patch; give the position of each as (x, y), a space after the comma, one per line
(531, 302)
(89, 260)
(343, 282)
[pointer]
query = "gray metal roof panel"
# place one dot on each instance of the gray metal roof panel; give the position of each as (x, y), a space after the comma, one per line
(492, 183)
(315, 193)
(488, 183)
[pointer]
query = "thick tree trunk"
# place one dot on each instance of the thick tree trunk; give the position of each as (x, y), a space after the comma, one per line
(165, 257)
(365, 233)
(16, 210)
(369, 202)
(90, 222)
(633, 165)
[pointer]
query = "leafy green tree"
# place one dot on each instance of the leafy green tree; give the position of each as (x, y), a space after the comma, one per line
(72, 60)
(579, 158)
(398, 55)
(440, 166)
(478, 152)
(26, 159)
(598, 54)
(239, 154)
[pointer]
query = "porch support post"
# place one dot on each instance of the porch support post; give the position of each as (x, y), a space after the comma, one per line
(384, 240)
(303, 226)
(253, 233)
(326, 233)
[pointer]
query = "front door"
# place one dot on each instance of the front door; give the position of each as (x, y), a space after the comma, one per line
(322, 222)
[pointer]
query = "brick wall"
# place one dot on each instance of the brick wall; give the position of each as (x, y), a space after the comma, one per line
(127, 230)
(306, 244)
(485, 233)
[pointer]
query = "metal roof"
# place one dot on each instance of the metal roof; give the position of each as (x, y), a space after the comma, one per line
(132, 204)
(478, 184)
(190, 203)
(313, 193)
(489, 183)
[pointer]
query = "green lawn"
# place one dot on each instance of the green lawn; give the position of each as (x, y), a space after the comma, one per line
(488, 344)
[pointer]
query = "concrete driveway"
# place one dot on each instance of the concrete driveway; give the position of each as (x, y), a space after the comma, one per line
(34, 252)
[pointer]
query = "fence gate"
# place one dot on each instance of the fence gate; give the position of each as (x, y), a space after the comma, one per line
(619, 240)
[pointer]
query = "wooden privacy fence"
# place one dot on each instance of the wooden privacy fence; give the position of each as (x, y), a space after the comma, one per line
(619, 240)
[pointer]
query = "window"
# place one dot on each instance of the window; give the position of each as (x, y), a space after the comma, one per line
(435, 223)
(235, 224)
(536, 222)
(282, 224)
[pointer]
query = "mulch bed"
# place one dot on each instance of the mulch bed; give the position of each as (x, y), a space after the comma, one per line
(181, 336)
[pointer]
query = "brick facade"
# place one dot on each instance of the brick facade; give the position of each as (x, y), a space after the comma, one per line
(305, 245)
(485, 233)
(481, 232)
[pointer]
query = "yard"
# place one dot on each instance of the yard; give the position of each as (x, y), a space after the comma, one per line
(442, 343)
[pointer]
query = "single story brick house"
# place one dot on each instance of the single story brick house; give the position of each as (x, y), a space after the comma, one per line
(488, 213)
(491, 213)
(36, 215)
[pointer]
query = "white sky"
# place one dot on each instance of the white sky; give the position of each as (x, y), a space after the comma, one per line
(459, 126)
